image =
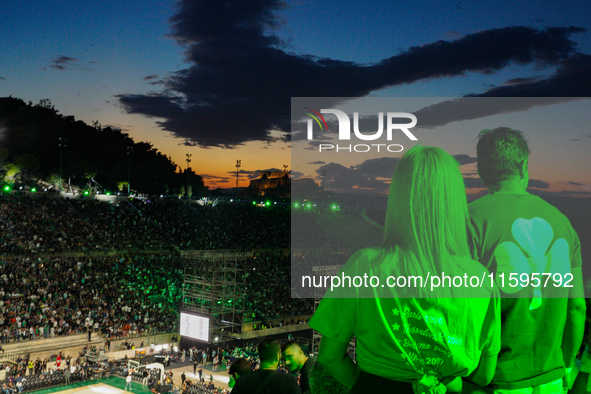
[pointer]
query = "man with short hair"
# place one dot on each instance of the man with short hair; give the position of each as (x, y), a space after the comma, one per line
(267, 380)
(238, 368)
(520, 236)
(298, 363)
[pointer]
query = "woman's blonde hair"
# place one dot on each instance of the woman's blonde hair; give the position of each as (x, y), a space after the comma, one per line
(426, 220)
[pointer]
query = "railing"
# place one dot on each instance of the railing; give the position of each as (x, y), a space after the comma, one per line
(9, 357)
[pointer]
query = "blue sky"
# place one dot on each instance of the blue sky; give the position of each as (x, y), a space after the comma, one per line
(120, 62)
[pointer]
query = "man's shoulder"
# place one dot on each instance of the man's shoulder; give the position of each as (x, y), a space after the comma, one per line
(497, 198)
(489, 206)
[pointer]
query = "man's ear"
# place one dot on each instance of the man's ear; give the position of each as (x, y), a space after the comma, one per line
(524, 168)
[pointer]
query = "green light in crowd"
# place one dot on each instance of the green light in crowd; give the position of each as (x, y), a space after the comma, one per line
(267, 203)
(33, 190)
(86, 192)
(334, 207)
(296, 205)
(253, 203)
(309, 205)
(108, 194)
(6, 188)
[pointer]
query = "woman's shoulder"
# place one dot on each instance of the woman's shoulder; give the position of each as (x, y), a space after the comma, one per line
(362, 259)
(476, 275)
(469, 266)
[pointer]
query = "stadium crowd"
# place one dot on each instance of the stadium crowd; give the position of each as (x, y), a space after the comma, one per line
(47, 297)
(118, 296)
(49, 224)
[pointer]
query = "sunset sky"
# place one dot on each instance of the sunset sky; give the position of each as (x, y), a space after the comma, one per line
(215, 78)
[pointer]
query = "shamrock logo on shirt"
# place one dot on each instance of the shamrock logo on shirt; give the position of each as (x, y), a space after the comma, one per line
(533, 237)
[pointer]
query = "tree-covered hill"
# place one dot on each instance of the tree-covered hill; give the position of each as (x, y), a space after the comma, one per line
(92, 156)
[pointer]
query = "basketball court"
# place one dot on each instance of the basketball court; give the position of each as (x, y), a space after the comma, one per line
(99, 388)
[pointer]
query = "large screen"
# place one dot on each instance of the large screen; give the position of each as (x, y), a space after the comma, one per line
(195, 327)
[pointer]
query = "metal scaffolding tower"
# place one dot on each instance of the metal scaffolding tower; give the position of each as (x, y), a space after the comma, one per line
(215, 286)
(316, 336)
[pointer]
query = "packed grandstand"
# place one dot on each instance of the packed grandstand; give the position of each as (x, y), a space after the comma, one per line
(70, 264)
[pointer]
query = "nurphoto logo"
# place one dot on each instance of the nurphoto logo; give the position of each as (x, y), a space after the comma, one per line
(345, 130)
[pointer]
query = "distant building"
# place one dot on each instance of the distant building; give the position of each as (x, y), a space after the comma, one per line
(268, 181)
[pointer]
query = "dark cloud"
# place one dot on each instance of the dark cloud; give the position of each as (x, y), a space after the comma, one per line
(214, 177)
(65, 63)
(468, 108)
(240, 84)
(382, 167)
(453, 35)
(253, 174)
(317, 162)
(575, 183)
(519, 81)
(583, 138)
(465, 159)
(538, 184)
(563, 193)
(370, 177)
(153, 80)
(473, 182)
(571, 81)
(296, 174)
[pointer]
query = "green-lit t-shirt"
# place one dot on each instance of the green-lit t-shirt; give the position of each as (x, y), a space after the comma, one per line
(521, 233)
(404, 338)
